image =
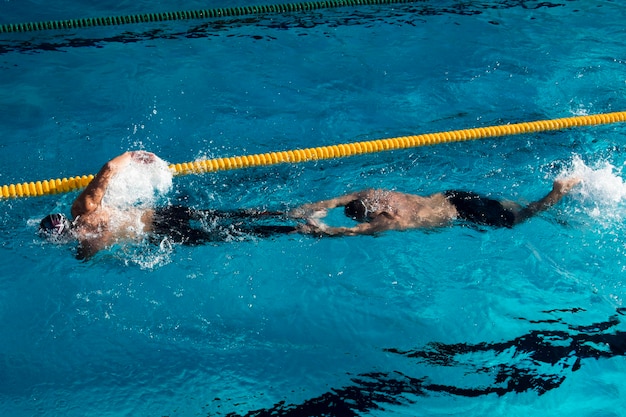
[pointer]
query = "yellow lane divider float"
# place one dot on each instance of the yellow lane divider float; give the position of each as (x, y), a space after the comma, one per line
(54, 186)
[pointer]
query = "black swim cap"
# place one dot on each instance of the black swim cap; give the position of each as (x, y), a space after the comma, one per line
(55, 226)
(356, 210)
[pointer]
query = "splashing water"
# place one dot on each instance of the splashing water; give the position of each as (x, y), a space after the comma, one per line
(602, 191)
(139, 185)
(145, 255)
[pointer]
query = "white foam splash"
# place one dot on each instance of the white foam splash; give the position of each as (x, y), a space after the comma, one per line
(602, 191)
(139, 185)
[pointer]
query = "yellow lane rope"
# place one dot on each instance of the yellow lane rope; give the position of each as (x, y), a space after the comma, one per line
(53, 186)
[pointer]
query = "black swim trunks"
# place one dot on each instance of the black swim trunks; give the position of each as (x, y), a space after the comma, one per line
(477, 209)
(194, 227)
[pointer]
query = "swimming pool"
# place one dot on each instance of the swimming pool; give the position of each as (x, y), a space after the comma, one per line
(458, 320)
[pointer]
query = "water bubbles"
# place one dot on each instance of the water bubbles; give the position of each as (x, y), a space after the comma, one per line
(145, 254)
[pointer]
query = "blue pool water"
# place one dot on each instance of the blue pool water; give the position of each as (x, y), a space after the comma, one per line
(447, 322)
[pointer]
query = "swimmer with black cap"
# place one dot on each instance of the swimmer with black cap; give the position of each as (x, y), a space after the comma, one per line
(97, 225)
(56, 227)
(381, 210)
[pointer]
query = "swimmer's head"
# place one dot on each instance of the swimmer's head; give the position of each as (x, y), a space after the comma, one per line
(356, 210)
(55, 227)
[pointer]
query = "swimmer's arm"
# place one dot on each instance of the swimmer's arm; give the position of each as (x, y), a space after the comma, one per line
(559, 189)
(379, 224)
(361, 229)
(88, 248)
(91, 197)
(307, 210)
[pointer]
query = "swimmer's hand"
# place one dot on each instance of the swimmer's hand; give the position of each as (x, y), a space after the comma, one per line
(297, 213)
(143, 157)
(565, 185)
(306, 212)
(312, 227)
(320, 229)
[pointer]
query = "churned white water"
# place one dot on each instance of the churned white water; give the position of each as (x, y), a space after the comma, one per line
(602, 190)
(139, 184)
